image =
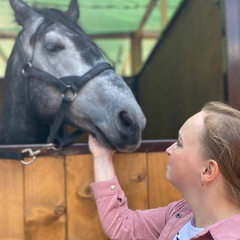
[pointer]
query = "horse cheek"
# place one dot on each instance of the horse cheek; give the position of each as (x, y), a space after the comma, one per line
(44, 99)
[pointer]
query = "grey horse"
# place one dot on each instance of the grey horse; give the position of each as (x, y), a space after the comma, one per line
(50, 51)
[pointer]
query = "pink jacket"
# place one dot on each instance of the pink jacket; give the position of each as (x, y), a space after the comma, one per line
(121, 223)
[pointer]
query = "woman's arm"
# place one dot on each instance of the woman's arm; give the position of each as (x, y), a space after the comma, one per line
(117, 220)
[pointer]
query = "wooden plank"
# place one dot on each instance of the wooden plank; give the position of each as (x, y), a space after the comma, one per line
(131, 170)
(161, 192)
(11, 200)
(83, 221)
(45, 199)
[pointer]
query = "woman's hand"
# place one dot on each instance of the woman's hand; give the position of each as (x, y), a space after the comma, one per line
(102, 160)
(98, 150)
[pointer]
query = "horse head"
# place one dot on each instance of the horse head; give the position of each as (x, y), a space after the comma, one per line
(54, 46)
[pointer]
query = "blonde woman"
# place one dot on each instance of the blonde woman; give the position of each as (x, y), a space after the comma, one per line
(204, 165)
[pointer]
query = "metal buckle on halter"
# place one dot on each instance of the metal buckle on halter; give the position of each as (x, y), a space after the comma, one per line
(34, 153)
(25, 67)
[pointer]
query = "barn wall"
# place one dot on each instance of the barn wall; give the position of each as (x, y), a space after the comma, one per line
(185, 69)
(51, 198)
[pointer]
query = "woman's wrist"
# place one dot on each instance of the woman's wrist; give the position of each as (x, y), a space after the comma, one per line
(103, 169)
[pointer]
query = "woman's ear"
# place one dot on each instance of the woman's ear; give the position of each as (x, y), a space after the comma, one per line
(210, 171)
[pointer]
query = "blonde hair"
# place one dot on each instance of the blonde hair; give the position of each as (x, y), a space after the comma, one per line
(221, 142)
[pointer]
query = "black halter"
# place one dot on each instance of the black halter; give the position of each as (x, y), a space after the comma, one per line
(72, 83)
(65, 84)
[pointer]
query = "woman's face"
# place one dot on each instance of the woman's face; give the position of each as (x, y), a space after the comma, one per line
(186, 161)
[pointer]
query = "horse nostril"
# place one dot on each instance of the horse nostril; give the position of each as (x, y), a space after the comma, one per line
(125, 120)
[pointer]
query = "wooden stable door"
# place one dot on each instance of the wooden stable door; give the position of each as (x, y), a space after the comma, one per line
(52, 199)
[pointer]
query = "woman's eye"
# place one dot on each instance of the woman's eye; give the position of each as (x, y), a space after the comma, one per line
(178, 144)
(55, 47)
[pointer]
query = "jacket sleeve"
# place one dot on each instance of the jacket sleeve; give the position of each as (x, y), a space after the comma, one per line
(121, 223)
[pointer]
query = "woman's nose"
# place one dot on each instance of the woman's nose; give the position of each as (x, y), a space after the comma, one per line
(171, 148)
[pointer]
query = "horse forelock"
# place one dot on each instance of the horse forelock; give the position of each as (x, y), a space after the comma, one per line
(55, 15)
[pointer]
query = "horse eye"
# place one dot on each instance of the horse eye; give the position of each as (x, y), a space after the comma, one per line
(55, 47)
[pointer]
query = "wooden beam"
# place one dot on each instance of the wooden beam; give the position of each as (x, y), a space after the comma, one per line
(163, 13)
(126, 64)
(145, 35)
(136, 48)
(145, 17)
(136, 54)
(8, 35)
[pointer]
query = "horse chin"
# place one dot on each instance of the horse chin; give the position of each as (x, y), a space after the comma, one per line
(121, 146)
(103, 139)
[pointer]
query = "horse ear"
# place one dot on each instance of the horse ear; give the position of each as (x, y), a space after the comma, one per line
(73, 10)
(24, 14)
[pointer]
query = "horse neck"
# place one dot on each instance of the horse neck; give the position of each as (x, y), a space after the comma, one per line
(19, 124)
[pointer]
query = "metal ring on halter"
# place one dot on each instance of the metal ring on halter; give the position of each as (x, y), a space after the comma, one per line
(25, 67)
(73, 97)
